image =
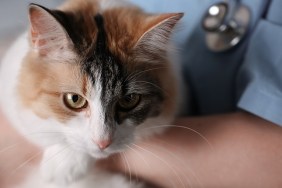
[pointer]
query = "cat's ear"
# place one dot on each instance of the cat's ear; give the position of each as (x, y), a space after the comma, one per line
(157, 32)
(48, 36)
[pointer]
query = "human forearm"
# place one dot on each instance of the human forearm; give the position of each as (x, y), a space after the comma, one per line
(15, 154)
(246, 152)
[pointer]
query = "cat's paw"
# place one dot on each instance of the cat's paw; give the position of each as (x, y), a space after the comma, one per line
(62, 166)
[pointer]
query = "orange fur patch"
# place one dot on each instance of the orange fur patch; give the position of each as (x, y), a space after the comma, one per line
(42, 85)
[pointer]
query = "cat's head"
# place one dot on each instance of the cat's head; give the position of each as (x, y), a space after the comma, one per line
(102, 73)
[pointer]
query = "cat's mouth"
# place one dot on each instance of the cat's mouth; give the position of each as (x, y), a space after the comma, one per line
(99, 154)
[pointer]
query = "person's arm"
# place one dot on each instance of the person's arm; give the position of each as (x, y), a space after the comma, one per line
(16, 154)
(245, 151)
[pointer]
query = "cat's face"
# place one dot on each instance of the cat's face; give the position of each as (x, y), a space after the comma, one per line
(100, 73)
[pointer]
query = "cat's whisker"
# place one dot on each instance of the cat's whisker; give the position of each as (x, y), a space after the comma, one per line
(56, 154)
(10, 147)
(14, 145)
(125, 167)
(134, 166)
(26, 162)
(49, 133)
(147, 164)
(186, 128)
(159, 158)
(178, 176)
(129, 169)
(43, 132)
(154, 85)
(176, 158)
(54, 132)
(137, 73)
(64, 159)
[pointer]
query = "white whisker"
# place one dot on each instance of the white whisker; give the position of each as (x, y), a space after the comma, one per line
(124, 164)
(188, 181)
(178, 159)
(137, 73)
(170, 153)
(147, 164)
(64, 159)
(136, 177)
(26, 162)
(14, 145)
(154, 85)
(159, 158)
(183, 127)
(10, 147)
(56, 154)
(129, 169)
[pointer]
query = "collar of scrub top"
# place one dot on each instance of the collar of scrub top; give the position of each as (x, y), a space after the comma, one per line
(225, 23)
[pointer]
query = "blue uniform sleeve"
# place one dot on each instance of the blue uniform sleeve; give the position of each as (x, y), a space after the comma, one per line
(260, 77)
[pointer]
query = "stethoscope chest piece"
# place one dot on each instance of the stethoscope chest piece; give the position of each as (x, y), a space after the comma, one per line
(225, 26)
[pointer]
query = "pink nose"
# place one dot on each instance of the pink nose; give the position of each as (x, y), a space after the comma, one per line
(103, 144)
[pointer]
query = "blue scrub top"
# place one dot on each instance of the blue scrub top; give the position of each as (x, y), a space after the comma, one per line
(247, 77)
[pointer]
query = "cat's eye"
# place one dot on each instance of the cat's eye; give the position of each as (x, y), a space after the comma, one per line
(74, 101)
(129, 102)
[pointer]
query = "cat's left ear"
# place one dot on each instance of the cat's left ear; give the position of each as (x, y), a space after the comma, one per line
(157, 32)
(48, 36)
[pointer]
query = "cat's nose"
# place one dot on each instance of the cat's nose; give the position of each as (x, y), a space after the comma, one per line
(103, 144)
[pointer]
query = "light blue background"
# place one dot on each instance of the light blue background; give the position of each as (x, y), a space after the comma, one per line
(14, 20)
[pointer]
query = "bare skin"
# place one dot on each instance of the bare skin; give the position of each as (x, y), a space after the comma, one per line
(239, 150)
(16, 155)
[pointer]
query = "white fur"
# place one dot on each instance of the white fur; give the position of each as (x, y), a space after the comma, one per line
(61, 164)
(95, 179)
(97, 122)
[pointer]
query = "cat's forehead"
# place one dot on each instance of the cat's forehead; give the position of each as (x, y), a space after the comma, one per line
(105, 57)
(102, 39)
(84, 21)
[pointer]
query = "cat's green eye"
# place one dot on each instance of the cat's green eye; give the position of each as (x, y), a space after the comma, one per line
(129, 102)
(74, 101)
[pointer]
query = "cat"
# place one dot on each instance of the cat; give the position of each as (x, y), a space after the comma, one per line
(86, 81)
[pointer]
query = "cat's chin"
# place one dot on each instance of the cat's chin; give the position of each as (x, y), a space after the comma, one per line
(99, 155)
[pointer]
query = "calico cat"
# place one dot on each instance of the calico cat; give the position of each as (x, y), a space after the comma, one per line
(87, 79)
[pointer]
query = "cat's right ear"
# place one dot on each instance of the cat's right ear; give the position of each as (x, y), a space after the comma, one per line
(48, 37)
(156, 34)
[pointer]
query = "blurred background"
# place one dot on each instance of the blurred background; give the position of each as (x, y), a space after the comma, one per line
(14, 19)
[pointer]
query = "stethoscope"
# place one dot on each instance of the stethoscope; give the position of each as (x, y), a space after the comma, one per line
(225, 23)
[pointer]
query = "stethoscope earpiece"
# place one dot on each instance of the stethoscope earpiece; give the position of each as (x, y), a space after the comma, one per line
(225, 26)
